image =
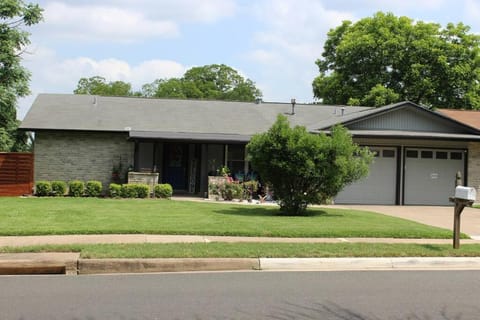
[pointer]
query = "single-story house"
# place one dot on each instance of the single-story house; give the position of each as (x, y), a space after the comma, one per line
(418, 151)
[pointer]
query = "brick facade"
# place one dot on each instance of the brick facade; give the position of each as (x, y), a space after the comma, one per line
(69, 155)
(474, 167)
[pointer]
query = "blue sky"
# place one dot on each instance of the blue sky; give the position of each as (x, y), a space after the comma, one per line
(273, 42)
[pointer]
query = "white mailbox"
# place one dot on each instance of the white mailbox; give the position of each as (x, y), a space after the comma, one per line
(465, 193)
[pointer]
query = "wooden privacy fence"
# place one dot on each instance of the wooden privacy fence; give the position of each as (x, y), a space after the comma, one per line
(16, 174)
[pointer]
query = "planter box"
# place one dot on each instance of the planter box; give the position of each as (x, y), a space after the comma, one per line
(151, 179)
(215, 180)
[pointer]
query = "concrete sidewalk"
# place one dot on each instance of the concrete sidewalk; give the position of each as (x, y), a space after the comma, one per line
(21, 241)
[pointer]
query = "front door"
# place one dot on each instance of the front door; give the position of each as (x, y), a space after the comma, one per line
(175, 169)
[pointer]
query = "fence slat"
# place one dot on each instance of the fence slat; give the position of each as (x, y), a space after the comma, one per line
(16, 174)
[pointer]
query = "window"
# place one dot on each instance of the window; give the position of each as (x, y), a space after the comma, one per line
(145, 157)
(215, 158)
(426, 154)
(456, 155)
(441, 155)
(236, 160)
(388, 153)
(412, 154)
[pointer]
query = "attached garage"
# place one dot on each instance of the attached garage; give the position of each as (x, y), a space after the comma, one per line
(418, 154)
(430, 175)
(380, 186)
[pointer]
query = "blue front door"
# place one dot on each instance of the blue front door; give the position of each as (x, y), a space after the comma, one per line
(175, 169)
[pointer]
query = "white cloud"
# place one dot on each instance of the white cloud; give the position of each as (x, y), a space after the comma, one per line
(50, 72)
(128, 21)
(291, 40)
(297, 28)
(177, 10)
(104, 23)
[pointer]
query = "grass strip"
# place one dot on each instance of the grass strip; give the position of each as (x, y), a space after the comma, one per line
(254, 250)
(46, 216)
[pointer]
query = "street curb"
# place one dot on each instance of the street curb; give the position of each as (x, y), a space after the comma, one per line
(99, 266)
(103, 266)
(340, 264)
(39, 263)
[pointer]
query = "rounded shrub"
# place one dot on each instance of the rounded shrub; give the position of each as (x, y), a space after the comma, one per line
(129, 191)
(164, 191)
(231, 190)
(43, 188)
(93, 188)
(142, 190)
(115, 190)
(59, 188)
(76, 188)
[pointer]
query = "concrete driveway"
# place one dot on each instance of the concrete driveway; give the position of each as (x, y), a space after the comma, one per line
(437, 216)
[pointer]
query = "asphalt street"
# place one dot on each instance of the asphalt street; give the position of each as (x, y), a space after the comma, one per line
(359, 295)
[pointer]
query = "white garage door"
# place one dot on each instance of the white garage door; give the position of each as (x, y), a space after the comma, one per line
(379, 187)
(430, 175)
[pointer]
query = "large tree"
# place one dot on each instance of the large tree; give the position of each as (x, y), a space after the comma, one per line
(14, 78)
(385, 59)
(99, 86)
(305, 168)
(215, 81)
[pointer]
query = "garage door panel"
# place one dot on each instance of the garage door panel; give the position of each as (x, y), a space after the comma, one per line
(379, 187)
(430, 175)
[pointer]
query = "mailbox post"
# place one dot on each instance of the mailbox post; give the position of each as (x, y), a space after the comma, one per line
(464, 197)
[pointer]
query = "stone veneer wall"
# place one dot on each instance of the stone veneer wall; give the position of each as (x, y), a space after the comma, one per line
(70, 155)
(474, 167)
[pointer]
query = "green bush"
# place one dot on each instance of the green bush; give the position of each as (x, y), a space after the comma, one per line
(76, 188)
(305, 168)
(43, 188)
(164, 191)
(59, 188)
(115, 190)
(231, 190)
(143, 190)
(93, 188)
(129, 191)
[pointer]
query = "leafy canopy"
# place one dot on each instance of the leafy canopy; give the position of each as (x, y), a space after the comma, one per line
(215, 82)
(14, 78)
(98, 86)
(385, 59)
(305, 168)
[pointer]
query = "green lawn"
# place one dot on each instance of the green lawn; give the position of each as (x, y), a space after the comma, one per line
(40, 216)
(255, 250)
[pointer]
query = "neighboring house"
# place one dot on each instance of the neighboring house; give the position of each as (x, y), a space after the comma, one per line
(468, 117)
(83, 137)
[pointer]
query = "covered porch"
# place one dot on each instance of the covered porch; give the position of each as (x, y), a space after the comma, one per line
(187, 163)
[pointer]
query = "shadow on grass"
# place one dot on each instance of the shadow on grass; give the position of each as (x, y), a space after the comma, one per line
(431, 247)
(270, 212)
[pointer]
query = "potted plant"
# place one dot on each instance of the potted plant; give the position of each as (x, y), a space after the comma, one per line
(116, 172)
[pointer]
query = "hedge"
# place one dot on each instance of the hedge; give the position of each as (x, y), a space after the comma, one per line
(164, 191)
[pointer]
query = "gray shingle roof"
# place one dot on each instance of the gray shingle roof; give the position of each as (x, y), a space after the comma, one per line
(97, 113)
(204, 120)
